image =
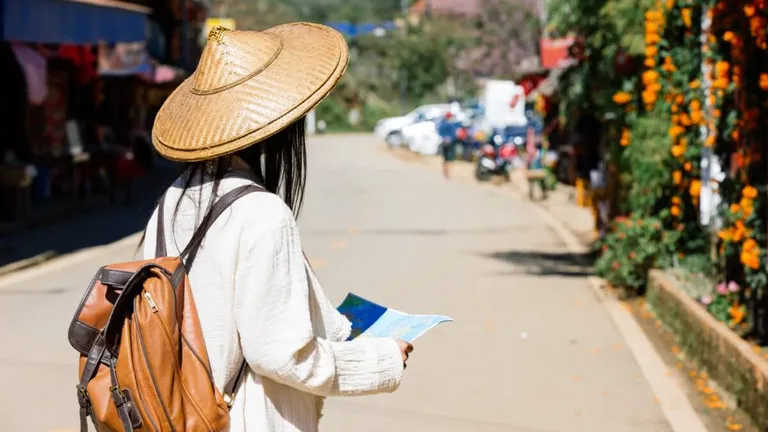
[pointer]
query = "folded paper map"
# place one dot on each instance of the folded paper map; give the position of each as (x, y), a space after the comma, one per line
(372, 320)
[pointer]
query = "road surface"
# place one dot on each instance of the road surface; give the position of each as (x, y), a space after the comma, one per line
(531, 348)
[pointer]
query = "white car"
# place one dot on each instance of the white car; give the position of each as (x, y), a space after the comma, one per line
(423, 137)
(389, 129)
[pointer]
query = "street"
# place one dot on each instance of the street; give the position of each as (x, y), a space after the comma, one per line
(531, 347)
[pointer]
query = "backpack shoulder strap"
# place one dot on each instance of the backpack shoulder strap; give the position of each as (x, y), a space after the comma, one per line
(190, 251)
(223, 203)
(160, 250)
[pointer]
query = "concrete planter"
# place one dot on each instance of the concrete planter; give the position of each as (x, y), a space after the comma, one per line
(728, 359)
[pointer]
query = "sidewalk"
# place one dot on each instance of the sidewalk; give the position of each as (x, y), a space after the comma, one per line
(95, 222)
(562, 204)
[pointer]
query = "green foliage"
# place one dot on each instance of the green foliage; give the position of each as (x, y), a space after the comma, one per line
(646, 162)
(332, 112)
(635, 246)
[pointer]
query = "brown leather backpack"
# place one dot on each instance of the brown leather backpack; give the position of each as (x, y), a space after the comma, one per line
(143, 361)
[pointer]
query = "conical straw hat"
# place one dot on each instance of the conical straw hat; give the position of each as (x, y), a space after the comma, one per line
(247, 87)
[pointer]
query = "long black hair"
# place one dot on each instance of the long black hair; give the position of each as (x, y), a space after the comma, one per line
(278, 163)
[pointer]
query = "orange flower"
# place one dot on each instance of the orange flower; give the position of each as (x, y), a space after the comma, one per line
(626, 138)
(650, 77)
(721, 83)
(687, 17)
(676, 131)
(738, 232)
(711, 140)
(737, 314)
(649, 62)
(622, 98)
(675, 211)
(695, 105)
(677, 177)
(679, 99)
(650, 97)
(697, 117)
(722, 68)
(764, 81)
(729, 36)
(669, 67)
(685, 120)
(750, 254)
(726, 234)
(652, 38)
(735, 135)
(670, 4)
(694, 84)
(678, 150)
(735, 208)
(717, 113)
(749, 192)
(695, 188)
(748, 206)
(749, 11)
(688, 167)
(651, 51)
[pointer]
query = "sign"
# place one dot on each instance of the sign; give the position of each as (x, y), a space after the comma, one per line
(554, 52)
(210, 23)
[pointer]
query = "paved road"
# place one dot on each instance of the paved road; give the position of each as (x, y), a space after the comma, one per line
(531, 348)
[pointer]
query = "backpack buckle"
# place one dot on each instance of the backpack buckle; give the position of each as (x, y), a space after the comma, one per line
(228, 399)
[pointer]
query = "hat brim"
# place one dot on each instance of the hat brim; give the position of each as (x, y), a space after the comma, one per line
(192, 127)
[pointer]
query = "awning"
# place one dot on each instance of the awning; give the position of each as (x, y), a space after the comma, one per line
(73, 21)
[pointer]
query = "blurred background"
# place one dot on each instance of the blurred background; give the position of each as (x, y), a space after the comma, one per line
(637, 126)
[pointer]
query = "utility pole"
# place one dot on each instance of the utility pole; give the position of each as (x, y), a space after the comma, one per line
(403, 72)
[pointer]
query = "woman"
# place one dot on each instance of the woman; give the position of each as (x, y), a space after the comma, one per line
(238, 120)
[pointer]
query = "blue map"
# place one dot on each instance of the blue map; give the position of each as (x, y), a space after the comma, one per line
(372, 320)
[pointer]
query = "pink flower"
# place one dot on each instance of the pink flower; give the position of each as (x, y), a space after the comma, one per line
(706, 300)
(722, 289)
(733, 287)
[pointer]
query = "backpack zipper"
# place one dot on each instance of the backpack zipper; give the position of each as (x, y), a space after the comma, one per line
(166, 332)
(152, 304)
(140, 394)
(152, 375)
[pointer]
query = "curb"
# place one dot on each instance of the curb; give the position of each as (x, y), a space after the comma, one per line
(673, 401)
(28, 262)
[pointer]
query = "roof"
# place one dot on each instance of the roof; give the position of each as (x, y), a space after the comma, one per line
(445, 7)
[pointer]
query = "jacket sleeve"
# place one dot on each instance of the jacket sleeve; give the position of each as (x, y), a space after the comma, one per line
(273, 318)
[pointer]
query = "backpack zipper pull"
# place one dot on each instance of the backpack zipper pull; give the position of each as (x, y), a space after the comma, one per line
(152, 304)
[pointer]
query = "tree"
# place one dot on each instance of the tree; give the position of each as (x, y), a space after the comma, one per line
(505, 33)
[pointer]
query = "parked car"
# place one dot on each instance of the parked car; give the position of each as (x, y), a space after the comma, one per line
(390, 129)
(422, 137)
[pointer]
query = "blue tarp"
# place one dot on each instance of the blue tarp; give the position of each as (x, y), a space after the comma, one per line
(360, 29)
(63, 21)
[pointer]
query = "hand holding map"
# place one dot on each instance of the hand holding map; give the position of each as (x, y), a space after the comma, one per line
(372, 320)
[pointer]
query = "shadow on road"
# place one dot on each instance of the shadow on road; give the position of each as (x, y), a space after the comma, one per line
(102, 224)
(547, 263)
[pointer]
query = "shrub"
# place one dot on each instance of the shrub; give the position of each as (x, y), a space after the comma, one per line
(633, 247)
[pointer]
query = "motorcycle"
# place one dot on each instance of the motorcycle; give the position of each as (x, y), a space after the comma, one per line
(491, 162)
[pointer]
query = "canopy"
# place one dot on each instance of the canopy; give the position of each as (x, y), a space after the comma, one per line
(77, 22)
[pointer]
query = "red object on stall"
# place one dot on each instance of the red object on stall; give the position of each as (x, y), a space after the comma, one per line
(554, 52)
(531, 82)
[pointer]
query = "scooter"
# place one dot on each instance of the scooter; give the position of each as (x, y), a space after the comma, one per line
(491, 163)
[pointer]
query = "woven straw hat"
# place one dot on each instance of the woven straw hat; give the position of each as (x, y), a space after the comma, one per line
(247, 87)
